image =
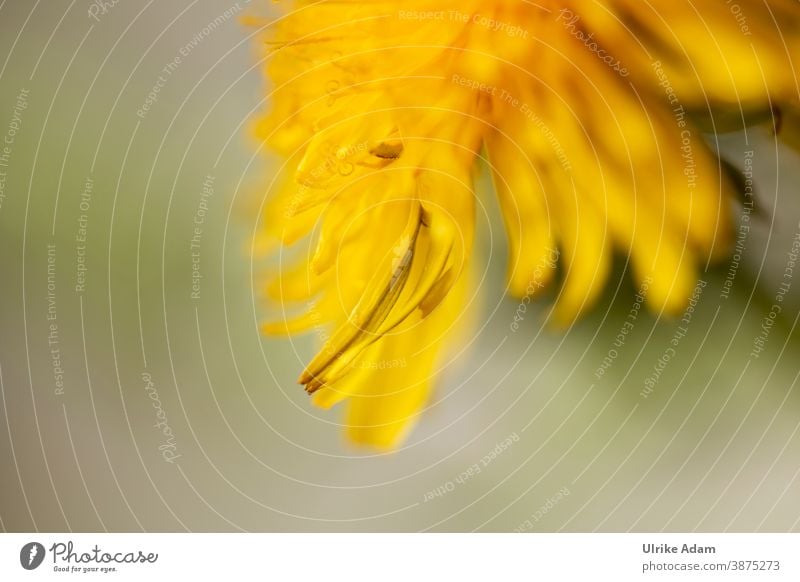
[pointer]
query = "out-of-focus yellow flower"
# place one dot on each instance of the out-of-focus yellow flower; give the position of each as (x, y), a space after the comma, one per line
(588, 114)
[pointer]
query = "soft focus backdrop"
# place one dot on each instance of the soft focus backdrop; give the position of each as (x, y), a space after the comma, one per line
(138, 394)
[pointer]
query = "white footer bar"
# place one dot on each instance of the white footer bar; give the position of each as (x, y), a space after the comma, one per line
(400, 557)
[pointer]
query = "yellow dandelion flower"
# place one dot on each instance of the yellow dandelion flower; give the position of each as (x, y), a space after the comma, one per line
(589, 115)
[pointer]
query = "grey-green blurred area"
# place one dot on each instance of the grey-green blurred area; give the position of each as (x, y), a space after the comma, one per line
(138, 393)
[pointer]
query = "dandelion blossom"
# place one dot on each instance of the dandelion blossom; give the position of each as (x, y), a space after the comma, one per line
(589, 117)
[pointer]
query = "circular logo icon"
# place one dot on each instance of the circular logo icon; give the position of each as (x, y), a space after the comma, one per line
(31, 555)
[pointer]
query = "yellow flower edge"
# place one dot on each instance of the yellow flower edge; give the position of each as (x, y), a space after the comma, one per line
(588, 115)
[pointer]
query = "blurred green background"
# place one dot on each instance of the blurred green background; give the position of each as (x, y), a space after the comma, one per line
(102, 316)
